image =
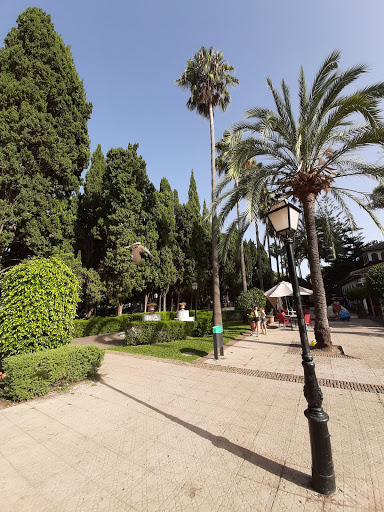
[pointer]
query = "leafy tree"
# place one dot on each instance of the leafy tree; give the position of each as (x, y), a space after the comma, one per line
(129, 203)
(308, 157)
(377, 197)
(208, 76)
(247, 300)
(38, 305)
(223, 164)
(89, 230)
(374, 281)
(167, 239)
(44, 139)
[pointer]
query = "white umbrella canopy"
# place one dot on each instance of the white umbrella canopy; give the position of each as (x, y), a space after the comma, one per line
(283, 289)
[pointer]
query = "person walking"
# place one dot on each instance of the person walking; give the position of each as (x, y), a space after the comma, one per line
(256, 319)
(263, 321)
(336, 308)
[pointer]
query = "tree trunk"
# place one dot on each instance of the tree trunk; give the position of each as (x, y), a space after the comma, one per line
(172, 300)
(119, 309)
(217, 319)
(277, 260)
(164, 301)
(259, 256)
(159, 302)
(145, 302)
(322, 330)
(269, 258)
(242, 260)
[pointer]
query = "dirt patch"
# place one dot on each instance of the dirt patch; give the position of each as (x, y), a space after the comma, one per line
(4, 404)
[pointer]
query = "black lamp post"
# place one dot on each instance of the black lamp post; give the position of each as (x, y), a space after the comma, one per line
(284, 218)
(194, 288)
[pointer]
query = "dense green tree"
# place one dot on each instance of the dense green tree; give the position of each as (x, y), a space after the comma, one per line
(374, 281)
(208, 76)
(167, 239)
(308, 157)
(44, 138)
(90, 239)
(129, 203)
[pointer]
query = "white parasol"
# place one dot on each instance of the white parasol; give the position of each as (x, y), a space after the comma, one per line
(283, 289)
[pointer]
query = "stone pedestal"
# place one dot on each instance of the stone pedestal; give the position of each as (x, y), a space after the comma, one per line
(151, 317)
(183, 316)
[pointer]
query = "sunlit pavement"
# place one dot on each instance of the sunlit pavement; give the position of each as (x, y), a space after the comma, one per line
(227, 435)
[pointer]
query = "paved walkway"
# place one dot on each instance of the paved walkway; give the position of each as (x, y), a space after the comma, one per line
(154, 435)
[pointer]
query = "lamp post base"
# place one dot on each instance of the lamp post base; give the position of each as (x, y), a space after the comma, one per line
(323, 474)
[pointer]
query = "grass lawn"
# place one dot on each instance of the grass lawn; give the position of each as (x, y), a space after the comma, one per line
(199, 347)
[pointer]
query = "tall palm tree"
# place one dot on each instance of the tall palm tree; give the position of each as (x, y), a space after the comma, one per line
(223, 165)
(306, 157)
(208, 76)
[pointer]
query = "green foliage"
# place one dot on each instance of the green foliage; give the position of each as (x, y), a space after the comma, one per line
(143, 333)
(357, 293)
(30, 375)
(187, 349)
(38, 305)
(44, 138)
(100, 325)
(129, 206)
(247, 300)
(374, 281)
(91, 238)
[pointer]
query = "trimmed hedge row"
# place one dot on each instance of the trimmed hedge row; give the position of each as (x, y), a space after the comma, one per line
(35, 374)
(100, 325)
(104, 325)
(147, 333)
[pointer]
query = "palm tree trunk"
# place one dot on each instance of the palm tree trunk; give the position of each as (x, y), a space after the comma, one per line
(145, 302)
(277, 260)
(242, 261)
(217, 319)
(322, 330)
(269, 258)
(259, 256)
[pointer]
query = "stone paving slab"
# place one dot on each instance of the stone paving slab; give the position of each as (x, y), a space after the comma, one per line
(158, 436)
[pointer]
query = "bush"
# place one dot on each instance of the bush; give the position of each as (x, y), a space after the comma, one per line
(100, 325)
(146, 333)
(374, 280)
(30, 375)
(231, 316)
(247, 300)
(38, 305)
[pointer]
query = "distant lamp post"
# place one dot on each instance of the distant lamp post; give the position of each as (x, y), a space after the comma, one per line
(284, 218)
(194, 288)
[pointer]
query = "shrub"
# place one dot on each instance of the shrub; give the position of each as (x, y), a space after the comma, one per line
(146, 333)
(30, 375)
(247, 300)
(100, 325)
(374, 280)
(38, 305)
(231, 316)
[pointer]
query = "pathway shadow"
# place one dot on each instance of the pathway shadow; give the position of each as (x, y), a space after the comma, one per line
(292, 475)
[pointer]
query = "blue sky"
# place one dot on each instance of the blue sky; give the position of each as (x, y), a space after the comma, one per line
(130, 53)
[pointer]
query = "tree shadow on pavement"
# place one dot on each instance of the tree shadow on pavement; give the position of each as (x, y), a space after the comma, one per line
(292, 475)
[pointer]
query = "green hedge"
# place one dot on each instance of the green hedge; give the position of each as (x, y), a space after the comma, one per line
(100, 325)
(35, 374)
(146, 333)
(37, 306)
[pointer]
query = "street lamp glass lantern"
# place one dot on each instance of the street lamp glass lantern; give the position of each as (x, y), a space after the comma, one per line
(284, 217)
(194, 285)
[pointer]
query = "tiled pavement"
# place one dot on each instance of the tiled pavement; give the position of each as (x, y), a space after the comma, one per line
(157, 436)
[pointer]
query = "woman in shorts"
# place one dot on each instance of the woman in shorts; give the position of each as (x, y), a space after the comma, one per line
(263, 321)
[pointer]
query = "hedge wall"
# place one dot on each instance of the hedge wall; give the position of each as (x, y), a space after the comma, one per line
(35, 374)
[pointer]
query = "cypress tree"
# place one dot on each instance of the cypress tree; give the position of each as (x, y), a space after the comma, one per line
(89, 230)
(129, 203)
(44, 138)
